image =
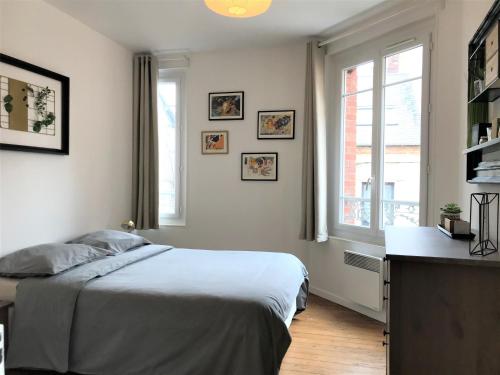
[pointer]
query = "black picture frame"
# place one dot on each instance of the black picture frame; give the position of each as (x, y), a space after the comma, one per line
(243, 154)
(227, 93)
(259, 136)
(64, 115)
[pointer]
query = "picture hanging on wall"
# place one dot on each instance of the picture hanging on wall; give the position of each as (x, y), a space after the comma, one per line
(226, 105)
(276, 124)
(214, 142)
(34, 108)
(259, 166)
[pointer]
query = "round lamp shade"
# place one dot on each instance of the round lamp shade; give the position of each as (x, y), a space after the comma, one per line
(238, 8)
(128, 225)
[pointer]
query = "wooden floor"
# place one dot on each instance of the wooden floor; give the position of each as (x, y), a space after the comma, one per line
(327, 339)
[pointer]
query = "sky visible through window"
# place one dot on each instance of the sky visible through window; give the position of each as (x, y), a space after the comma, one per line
(167, 139)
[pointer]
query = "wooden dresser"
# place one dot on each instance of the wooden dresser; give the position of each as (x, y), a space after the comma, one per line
(443, 305)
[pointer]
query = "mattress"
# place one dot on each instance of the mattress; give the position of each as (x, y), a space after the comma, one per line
(225, 305)
(8, 293)
(8, 289)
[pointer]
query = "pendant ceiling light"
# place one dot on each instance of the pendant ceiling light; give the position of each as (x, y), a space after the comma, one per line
(238, 8)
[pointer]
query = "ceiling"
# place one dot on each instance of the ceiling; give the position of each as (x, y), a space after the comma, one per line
(173, 25)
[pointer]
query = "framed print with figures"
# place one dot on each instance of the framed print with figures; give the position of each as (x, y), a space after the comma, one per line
(214, 142)
(262, 166)
(276, 124)
(226, 105)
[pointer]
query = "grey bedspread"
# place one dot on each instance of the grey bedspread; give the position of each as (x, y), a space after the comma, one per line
(161, 311)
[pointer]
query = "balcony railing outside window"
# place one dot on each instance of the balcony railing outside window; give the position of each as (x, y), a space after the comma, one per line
(402, 213)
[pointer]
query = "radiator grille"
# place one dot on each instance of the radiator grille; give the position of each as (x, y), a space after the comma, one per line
(362, 261)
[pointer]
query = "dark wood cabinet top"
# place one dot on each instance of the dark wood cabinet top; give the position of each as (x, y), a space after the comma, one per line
(428, 244)
(5, 304)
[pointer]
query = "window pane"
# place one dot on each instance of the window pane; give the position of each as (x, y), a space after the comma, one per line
(402, 113)
(167, 135)
(358, 78)
(403, 66)
(357, 159)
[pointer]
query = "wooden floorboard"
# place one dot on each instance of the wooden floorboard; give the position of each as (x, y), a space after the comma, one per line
(327, 339)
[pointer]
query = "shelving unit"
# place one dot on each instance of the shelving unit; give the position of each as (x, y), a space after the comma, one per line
(484, 63)
(483, 152)
(483, 146)
(488, 95)
(476, 71)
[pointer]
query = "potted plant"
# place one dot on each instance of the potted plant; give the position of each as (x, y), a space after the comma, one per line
(451, 211)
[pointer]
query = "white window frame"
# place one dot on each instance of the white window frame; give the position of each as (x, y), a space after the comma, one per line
(375, 50)
(179, 217)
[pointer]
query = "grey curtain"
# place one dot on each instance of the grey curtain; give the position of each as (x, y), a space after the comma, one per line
(145, 190)
(314, 171)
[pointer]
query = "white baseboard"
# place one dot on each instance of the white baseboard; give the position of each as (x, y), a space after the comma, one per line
(377, 315)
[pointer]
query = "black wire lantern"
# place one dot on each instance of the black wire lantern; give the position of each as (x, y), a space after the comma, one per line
(485, 201)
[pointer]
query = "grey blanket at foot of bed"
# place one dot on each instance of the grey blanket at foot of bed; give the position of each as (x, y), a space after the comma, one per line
(160, 311)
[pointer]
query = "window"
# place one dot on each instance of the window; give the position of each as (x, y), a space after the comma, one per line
(402, 96)
(170, 152)
(357, 98)
(382, 170)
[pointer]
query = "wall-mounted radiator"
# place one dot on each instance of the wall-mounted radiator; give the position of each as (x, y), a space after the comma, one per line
(364, 275)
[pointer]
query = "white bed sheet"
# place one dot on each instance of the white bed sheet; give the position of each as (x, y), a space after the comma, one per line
(291, 314)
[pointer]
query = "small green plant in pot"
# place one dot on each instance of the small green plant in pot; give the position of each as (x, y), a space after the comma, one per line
(451, 211)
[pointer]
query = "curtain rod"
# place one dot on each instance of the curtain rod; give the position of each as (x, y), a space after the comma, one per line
(364, 27)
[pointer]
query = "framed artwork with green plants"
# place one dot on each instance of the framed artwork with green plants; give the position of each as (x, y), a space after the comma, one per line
(34, 108)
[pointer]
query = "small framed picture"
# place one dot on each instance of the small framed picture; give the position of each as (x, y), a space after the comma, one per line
(262, 166)
(226, 105)
(214, 142)
(276, 124)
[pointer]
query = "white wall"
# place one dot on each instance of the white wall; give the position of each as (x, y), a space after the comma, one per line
(329, 273)
(224, 212)
(455, 23)
(51, 198)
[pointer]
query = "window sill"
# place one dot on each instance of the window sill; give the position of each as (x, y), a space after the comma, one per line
(172, 222)
(359, 235)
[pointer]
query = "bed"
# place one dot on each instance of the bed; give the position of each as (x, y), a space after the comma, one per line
(158, 310)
